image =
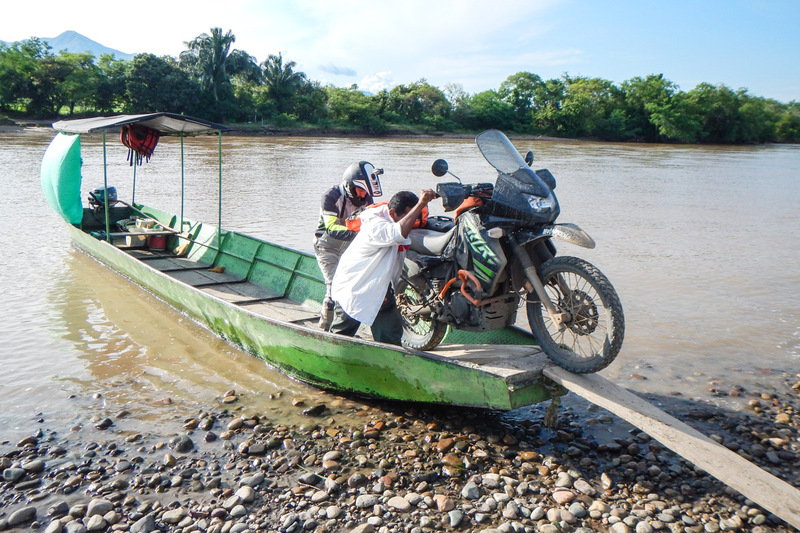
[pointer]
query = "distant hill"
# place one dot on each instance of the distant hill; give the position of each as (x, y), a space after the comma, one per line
(73, 41)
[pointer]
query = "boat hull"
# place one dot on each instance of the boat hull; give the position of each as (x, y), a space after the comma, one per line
(325, 360)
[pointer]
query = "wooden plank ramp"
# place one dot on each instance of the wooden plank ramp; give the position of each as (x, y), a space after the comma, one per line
(770, 492)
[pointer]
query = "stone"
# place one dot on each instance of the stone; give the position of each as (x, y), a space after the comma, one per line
(231, 502)
(99, 506)
(75, 526)
(174, 516)
(252, 481)
(490, 481)
(583, 486)
(577, 509)
(34, 467)
(22, 516)
(400, 504)
(563, 497)
(445, 444)
(366, 500)
(96, 523)
(333, 512)
(247, 494)
(471, 491)
(455, 517)
(319, 496)
(564, 480)
(644, 527)
(13, 474)
(146, 524)
(58, 509)
(54, 527)
(600, 507)
(363, 528)
(181, 444)
(333, 455)
(619, 527)
(443, 503)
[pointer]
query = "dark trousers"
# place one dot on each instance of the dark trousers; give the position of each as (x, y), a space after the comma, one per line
(387, 327)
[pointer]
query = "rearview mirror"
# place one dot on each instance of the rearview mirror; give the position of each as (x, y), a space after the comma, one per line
(529, 158)
(439, 168)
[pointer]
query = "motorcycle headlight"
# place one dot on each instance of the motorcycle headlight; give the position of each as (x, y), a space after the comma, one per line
(541, 205)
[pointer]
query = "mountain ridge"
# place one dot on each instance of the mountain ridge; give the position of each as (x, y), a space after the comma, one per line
(72, 41)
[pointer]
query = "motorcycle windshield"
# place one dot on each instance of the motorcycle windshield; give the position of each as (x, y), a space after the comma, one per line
(501, 154)
(499, 151)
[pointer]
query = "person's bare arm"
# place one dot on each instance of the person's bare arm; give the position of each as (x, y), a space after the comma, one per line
(407, 222)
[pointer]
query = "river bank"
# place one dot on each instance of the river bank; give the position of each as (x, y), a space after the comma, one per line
(372, 466)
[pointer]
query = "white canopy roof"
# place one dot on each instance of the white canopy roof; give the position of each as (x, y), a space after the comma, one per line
(164, 123)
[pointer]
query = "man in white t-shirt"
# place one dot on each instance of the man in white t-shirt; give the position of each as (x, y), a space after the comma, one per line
(362, 285)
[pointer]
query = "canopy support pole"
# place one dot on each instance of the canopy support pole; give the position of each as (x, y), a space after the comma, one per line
(105, 189)
(133, 194)
(180, 228)
(219, 215)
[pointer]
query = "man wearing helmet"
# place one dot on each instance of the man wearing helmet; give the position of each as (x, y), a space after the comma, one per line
(360, 185)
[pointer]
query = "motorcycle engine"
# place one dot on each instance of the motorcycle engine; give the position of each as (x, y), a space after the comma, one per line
(461, 310)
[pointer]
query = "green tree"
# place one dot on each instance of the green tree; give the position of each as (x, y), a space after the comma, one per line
(489, 110)
(19, 71)
(207, 57)
(109, 93)
(80, 80)
(548, 101)
(159, 84)
(282, 81)
(418, 102)
(523, 91)
(644, 98)
(586, 110)
(353, 106)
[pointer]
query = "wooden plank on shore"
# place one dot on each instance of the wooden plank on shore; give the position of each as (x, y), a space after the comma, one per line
(770, 492)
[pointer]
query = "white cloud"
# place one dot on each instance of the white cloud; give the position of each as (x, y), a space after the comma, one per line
(375, 83)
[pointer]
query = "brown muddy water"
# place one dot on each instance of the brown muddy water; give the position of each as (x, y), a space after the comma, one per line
(702, 244)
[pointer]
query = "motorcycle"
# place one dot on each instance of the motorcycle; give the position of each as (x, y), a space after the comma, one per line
(472, 272)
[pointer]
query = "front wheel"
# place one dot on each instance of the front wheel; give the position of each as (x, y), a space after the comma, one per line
(591, 336)
(420, 332)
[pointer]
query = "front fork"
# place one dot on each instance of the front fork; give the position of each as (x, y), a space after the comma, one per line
(559, 318)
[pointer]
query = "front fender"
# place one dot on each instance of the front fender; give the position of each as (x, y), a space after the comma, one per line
(570, 233)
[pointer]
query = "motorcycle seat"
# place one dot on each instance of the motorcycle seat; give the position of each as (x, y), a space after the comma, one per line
(430, 242)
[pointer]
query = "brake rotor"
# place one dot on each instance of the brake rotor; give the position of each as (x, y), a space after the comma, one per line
(585, 317)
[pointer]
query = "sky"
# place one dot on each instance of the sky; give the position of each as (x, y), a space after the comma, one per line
(377, 44)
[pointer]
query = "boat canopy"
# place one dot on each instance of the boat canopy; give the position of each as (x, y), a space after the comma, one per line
(164, 123)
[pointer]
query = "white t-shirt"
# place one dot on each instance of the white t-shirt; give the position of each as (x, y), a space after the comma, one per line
(373, 260)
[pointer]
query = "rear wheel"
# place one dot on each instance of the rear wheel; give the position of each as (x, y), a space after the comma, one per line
(591, 335)
(420, 332)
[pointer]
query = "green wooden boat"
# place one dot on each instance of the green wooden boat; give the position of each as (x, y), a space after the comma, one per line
(264, 298)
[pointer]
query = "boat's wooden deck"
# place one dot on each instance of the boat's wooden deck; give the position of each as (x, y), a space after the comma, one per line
(515, 363)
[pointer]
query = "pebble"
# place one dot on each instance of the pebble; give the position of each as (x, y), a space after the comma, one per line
(366, 500)
(99, 507)
(22, 516)
(563, 497)
(471, 491)
(400, 504)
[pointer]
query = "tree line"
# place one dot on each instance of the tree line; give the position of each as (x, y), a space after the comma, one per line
(212, 80)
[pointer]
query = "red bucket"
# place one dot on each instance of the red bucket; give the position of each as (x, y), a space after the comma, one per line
(157, 242)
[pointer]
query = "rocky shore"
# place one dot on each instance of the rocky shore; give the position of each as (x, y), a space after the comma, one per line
(390, 468)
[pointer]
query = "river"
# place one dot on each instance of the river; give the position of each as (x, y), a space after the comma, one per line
(701, 243)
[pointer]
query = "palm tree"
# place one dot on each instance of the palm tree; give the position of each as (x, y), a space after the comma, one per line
(208, 55)
(281, 80)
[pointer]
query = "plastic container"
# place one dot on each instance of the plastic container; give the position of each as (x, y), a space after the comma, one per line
(157, 243)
